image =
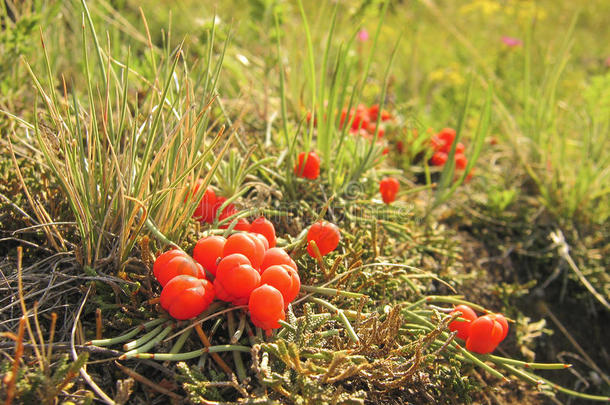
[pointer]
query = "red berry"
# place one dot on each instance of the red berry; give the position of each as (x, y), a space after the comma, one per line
(285, 279)
(261, 246)
(326, 237)
(205, 210)
(503, 323)
(242, 225)
(165, 257)
(262, 239)
(447, 135)
(459, 148)
(266, 306)
(309, 116)
(360, 121)
(438, 159)
(185, 297)
(237, 278)
(373, 112)
(247, 245)
(275, 256)
(208, 251)
(175, 266)
(460, 161)
(308, 168)
(388, 187)
(372, 127)
(486, 333)
(463, 327)
(227, 211)
(400, 147)
(469, 175)
(264, 227)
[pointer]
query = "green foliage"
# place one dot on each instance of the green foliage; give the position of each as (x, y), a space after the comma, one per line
(122, 162)
(38, 386)
(197, 384)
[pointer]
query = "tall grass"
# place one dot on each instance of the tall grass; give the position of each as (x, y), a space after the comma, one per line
(566, 156)
(333, 79)
(126, 163)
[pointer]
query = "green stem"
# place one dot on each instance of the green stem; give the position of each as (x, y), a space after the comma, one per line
(331, 292)
(180, 341)
(348, 326)
(536, 366)
(126, 336)
(190, 355)
(239, 364)
(141, 340)
(151, 343)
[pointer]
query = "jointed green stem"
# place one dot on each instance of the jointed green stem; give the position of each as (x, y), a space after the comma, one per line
(126, 336)
(180, 341)
(539, 366)
(191, 355)
(348, 326)
(143, 339)
(150, 344)
(332, 292)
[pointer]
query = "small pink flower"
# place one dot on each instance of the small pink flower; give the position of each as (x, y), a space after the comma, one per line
(512, 42)
(363, 35)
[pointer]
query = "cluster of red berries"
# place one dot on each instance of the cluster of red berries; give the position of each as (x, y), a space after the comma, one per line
(246, 268)
(441, 144)
(388, 187)
(365, 119)
(208, 207)
(482, 334)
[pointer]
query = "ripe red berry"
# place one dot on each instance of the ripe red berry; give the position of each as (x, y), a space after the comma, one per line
(503, 323)
(388, 187)
(400, 147)
(326, 237)
(372, 127)
(174, 264)
(185, 297)
(275, 256)
(486, 333)
(463, 327)
(460, 161)
(241, 225)
(374, 112)
(264, 227)
(447, 135)
(285, 279)
(308, 167)
(205, 210)
(165, 257)
(438, 159)
(459, 148)
(360, 121)
(266, 307)
(235, 279)
(437, 144)
(208, 251)
(247, 245)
